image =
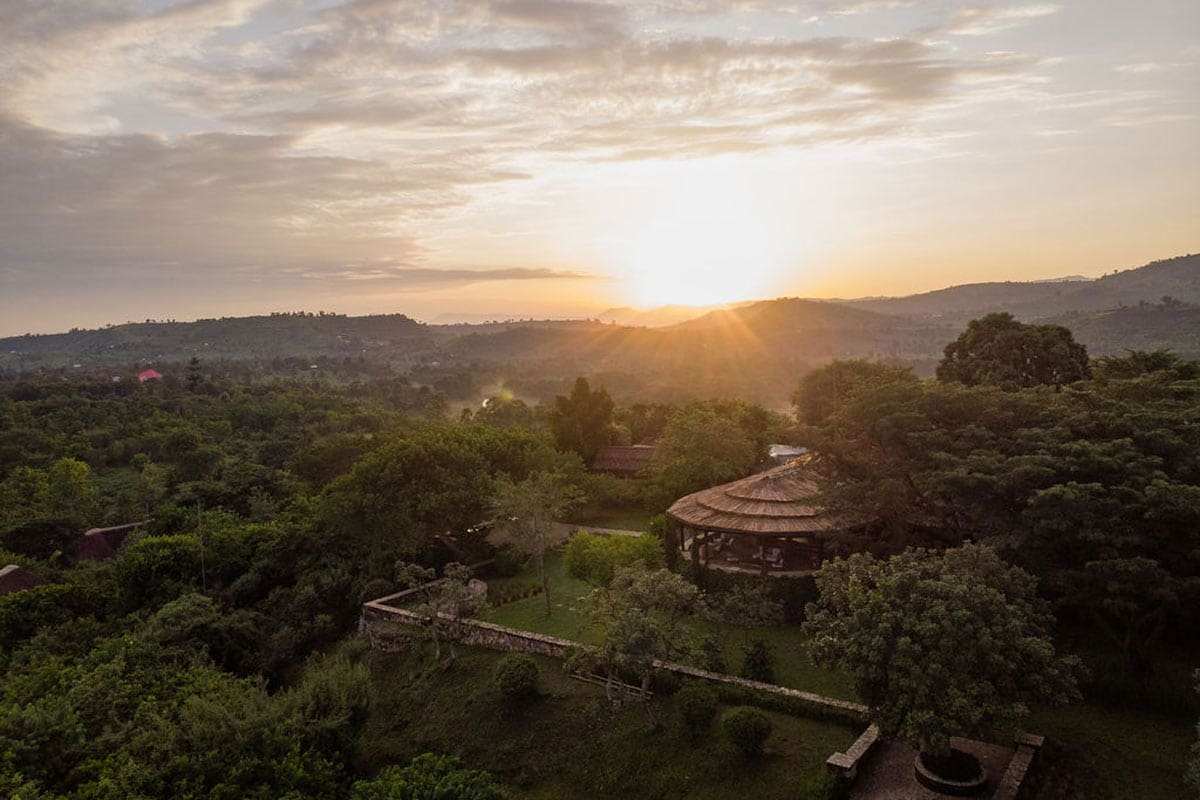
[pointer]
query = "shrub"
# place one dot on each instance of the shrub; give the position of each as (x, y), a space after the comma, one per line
(827, 786)
(757, 662)
(596, 558)
(697, 705)
(711, 656)
(509, 561)
(748, 728)
(375, 589)
(516, 676)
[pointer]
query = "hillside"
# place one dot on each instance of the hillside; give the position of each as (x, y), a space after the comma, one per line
(233, 338)
(754, 350)
(1175, 277)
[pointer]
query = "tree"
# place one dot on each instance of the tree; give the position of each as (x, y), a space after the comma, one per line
(939, 643)
(525, 511)
(697, 704)
(1193, 773)
(640, 615)
(70, 493)
(23, 496)
(826, 391)
(997, 349)
(699, 449)
(444, 603)
(750, 607)
(580, 421)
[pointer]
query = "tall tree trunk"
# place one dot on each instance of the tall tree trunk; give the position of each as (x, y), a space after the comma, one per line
(650, 720)
(541, 559)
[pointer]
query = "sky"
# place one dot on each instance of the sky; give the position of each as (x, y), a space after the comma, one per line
(515, 158)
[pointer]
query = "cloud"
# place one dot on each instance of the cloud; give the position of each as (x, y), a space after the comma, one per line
(251, 138)
(986, 20)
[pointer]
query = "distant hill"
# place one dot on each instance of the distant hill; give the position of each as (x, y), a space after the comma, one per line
(264, 337)
(755, 350)
(1141, 327)
(657, 317)
(1176, 277)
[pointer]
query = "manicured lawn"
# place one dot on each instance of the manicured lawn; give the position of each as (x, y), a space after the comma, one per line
(570, 619)
(571, 742)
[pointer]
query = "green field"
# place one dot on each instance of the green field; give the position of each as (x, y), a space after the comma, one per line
(570, 619)
(571, 742)
(1122, 754)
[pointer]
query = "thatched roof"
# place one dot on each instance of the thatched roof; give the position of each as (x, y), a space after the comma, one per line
(623, 459)
(779, 501)
(101, 544)
(16, 579)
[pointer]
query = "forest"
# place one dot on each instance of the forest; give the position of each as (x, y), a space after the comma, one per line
(216, 656)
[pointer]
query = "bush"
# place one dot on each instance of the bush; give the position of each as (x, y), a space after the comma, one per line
(827, 786)
(757, 662)
(508, 562)
(516, 676)
(596, 558)
(748, 729)
(711, 656)
(375, 589)
(43, 539)
(697, 705)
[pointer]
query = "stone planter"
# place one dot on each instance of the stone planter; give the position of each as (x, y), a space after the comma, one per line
(947, 785)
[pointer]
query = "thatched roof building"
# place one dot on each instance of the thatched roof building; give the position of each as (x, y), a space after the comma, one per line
(624, 461)
(101, 544)
(16, 579)
(769, 522)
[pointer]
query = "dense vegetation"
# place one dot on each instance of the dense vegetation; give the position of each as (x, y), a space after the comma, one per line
(207, 658)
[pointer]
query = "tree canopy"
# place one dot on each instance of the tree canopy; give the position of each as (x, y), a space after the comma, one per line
(998, 350)
(580, 421)
(939, 643)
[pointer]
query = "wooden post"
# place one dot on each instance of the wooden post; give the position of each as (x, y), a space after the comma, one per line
(762, 553)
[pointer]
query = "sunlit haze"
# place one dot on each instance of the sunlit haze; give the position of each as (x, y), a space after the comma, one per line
(517, 157)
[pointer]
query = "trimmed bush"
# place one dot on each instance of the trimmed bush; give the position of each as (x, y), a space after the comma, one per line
(516, 676)
(748, 729)
(697, 706)
(596, 558)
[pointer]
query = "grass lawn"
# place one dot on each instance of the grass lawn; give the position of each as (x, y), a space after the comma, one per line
(1127, 753)
(571, 742)
(570, 620)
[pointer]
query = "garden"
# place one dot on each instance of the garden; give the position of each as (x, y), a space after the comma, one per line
(1126, 753)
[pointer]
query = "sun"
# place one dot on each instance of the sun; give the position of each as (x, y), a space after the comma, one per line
(709, 243)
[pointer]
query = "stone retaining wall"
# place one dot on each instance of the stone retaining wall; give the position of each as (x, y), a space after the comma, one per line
(845, 765)
(498, 637)
(1010, 782)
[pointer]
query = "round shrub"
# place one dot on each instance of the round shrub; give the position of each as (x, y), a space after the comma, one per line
(748, 728)
(516, 676)
(697, 705)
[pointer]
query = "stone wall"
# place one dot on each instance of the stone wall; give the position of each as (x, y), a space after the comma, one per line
(1010, 782)
(498, 637)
